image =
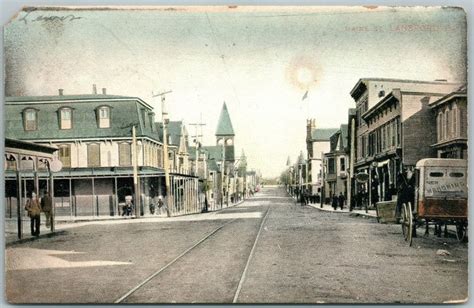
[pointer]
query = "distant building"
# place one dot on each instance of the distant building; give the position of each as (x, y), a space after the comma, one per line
(336, 163)
(221, 160)
(317, 143)
(450, 114)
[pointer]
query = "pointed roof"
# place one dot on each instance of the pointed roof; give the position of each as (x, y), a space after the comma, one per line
(224, 127)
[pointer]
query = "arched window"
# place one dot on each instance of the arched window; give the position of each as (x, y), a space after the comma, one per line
(103, 116)
(65, 118)
(93, 155)
(438, 126)
(448, 123)
(125, 152)
(30, 119)
(454, 129)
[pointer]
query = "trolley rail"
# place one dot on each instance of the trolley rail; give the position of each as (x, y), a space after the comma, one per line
(122, 298)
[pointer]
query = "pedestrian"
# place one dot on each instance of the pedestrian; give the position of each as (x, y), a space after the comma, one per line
(341, 200)
(34, 211)
(161, 204)
(128, 205)
(303, 197)
(47, 208)
(334, 201)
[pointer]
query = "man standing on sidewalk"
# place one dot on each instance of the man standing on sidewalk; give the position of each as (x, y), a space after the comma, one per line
(34, 212)
(47, 208)
(341, 200)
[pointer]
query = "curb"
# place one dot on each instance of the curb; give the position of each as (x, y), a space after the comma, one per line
(365, 215)
(34, 238)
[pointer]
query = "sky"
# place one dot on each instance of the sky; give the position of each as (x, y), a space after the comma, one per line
(260, 61)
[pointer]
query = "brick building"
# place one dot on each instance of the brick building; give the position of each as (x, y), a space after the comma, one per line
(393, 129)
(450, 114)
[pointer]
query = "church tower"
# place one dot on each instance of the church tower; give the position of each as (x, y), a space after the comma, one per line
(225, 134)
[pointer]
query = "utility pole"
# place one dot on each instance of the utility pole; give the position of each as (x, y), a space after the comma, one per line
(165, 119)
(351, 189)
(222, 172)
(197, 140)
(136, 183)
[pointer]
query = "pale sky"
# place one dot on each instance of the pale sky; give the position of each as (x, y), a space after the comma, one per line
(259, 61)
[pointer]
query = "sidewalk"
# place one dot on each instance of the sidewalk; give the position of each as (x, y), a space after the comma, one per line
(329, 208)
(66, 222)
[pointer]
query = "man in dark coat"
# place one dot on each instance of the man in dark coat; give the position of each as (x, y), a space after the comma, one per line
(47, 208)
(341, 200)
(334, 201)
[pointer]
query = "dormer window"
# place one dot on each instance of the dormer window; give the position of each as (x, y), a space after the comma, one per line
(30, 119)
(103, 116)
(65, 118)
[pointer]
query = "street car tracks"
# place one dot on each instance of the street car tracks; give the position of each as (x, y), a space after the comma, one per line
(244, 273)
(158, 272)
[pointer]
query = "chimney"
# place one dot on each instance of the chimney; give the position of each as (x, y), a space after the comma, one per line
(61, 91)
(94, 89)
(104, 91)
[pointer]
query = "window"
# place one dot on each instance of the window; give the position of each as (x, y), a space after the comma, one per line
(331, 166)
(151, 117)
(448, 123)
(456, 174)
(125, 158)
(438, 126)
(65, 118)
(342, 162)
(103, 115)
(93, 155)
(65, 155)
(144, 116)
(30, 117)
(454, 129)
(399, 131)
(436, 174)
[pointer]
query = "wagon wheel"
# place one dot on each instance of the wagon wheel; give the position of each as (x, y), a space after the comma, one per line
(461, 231)
(405, 222)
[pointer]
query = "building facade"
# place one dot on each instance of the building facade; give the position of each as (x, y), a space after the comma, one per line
(388, 134)
(317, 143)
(336, 165)
(93, 134)
(450, 114)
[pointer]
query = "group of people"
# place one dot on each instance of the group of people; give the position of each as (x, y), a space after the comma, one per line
(34, 207)
(338, 201)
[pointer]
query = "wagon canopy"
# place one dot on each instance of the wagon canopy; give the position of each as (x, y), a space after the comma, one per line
(441, 162)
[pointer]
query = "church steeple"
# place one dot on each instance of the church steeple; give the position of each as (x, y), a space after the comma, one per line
(225, 133)
(224, 126)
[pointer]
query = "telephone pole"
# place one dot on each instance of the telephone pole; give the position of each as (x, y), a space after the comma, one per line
(197, 141)
(165, 119)
(136, 182)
